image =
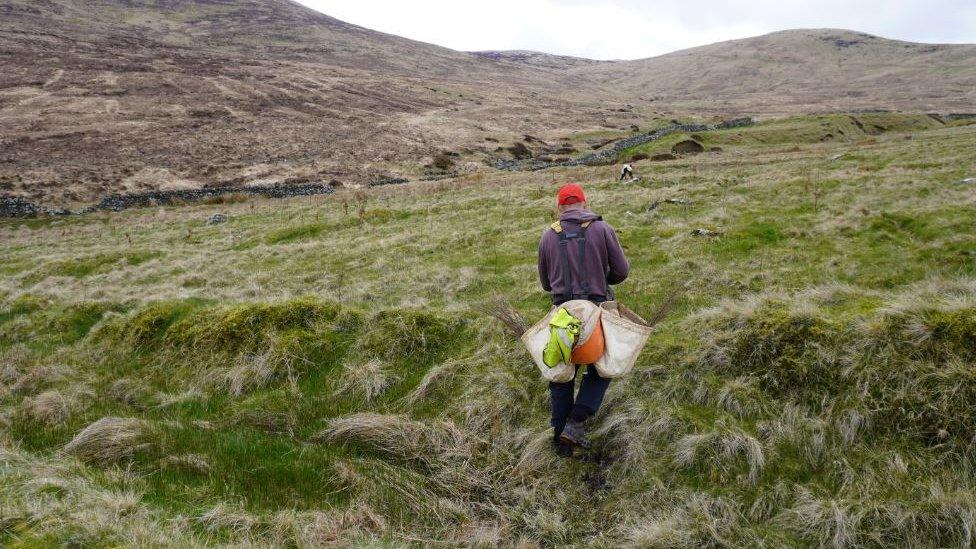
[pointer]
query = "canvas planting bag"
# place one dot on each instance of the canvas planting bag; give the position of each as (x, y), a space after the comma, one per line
(625, 335)
(536, 337)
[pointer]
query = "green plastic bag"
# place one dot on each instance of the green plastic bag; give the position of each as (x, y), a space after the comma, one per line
(564, 329)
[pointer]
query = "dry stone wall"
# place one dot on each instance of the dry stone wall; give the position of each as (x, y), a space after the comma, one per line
(19, 207)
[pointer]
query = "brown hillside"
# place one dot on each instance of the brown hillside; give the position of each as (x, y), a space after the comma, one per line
(110, 96)
(107, 96)
(800, 71)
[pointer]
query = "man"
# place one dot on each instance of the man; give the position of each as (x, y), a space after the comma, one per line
(627, 172)
(569, 270)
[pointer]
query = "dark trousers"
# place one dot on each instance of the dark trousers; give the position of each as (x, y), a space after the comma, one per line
(590, 395)
(587, 401)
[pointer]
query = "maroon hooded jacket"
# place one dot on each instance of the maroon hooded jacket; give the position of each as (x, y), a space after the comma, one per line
(605, 260)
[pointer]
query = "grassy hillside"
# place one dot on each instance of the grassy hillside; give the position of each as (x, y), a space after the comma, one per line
(324, 370)
(796, 130)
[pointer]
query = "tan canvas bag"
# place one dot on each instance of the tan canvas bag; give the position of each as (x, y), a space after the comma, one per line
(625, 334)
(536, 337)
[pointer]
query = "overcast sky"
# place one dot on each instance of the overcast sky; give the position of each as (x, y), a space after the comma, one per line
(631, 29)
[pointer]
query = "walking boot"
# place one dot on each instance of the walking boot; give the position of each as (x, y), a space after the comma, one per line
(575, 434)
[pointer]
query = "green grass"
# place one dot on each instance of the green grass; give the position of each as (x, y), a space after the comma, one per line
(307, 375)
(292, 234)
(84, 266)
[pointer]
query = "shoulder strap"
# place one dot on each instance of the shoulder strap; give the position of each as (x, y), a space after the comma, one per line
(564, 239)
(584, 280)
(567, 273)
(557, 227)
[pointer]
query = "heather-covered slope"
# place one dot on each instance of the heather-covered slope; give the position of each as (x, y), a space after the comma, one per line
(110, 96)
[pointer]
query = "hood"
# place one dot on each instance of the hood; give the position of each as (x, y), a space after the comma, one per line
(578, 216)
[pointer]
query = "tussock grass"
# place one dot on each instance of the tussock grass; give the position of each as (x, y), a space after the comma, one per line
(369, 379)
(909, 364)
(245, 327)
(742, 397)
(436, 376)
(110, 439)
(34, 378)
(396, 435)
(226, 518)
(50, 407)
(186, 462)
(341, 526)
(726, 443)
(788, 347)
(408, 334)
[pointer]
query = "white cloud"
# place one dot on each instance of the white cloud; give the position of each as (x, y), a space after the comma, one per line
(628, 29)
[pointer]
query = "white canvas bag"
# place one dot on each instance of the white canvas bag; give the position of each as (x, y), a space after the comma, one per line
(625, 335)
(536, 337)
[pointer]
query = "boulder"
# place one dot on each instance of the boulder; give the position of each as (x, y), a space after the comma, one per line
(688, 146)
(519, 150)
(442, 162)
(217, 219)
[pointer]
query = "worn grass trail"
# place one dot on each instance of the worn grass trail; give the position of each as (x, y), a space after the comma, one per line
(326, 370)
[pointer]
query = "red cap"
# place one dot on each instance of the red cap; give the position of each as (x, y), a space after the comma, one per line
(570, 194)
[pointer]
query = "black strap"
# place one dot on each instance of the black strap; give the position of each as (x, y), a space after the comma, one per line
(567, 273)
(564, 238)
(584, 281)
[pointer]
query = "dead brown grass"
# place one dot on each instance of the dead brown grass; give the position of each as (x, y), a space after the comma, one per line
(110, 439)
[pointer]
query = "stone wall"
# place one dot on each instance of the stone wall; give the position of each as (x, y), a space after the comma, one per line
(18, 207)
